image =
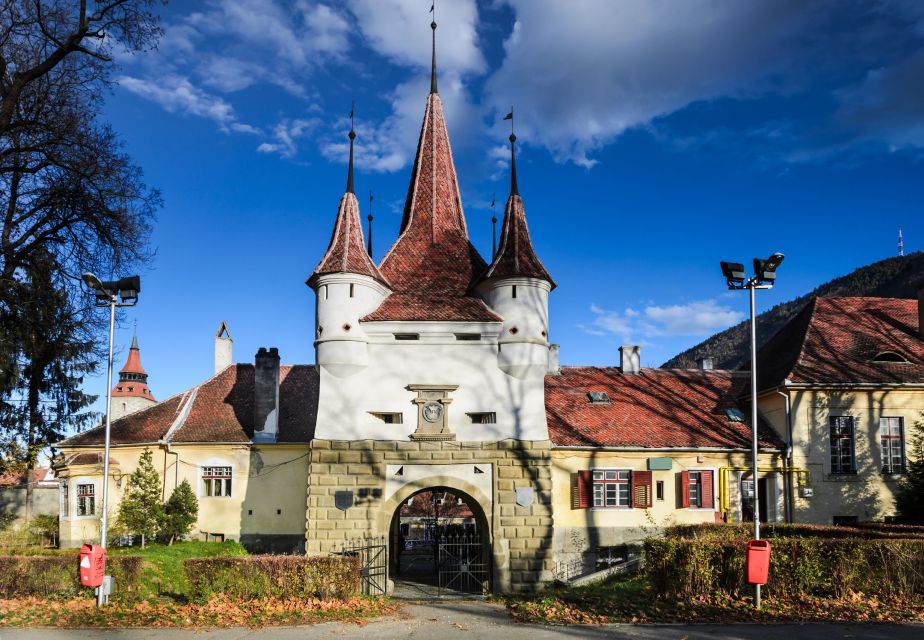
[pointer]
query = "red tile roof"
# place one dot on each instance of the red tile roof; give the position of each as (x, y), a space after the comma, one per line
(836, 340)
(347, 251)
(655, 408)
(13, 478)
(432, 264)
(133, 362)
(221, 410)
(516, 256)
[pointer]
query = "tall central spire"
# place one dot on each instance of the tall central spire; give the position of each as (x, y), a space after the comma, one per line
(433, 63)
(352, 136)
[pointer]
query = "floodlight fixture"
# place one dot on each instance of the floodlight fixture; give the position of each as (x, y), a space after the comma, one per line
(765, 270)
(733, 272)
(106, 290)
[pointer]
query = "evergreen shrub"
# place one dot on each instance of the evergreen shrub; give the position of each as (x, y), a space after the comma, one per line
(265, 576)
(58, 575)
(817, 566)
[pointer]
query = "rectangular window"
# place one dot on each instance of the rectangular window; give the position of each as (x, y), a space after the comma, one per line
(696, 488)
(65, 500)
(407, 336)
(842, 430)
(471, 337)
(611, 488)
(216, 482)
(891, 436)
(388, 417)
(483, 418)
(659, 490)
(86, 499)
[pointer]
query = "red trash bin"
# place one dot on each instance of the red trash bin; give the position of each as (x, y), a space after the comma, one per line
(758, 561)
(92, 565)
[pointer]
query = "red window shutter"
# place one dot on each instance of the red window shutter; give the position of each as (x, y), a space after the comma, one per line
(706, 499)
(584, 489)
(685, 489)
(641, 489)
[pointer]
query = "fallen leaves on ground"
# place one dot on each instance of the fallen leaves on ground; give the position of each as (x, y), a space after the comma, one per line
(217, 612)
(631, 601)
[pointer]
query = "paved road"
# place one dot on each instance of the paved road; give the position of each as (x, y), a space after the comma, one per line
(446, 621)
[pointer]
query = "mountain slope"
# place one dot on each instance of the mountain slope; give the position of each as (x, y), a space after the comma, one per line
(889, 278)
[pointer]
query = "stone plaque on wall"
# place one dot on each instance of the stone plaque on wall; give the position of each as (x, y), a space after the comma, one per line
(433, 411)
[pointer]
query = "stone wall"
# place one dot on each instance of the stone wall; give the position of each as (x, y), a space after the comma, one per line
(521, 536)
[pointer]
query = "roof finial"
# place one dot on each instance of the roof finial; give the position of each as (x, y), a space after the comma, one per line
(135, 335)
(493, 226)
(352, 137)
(433, 65)
(514, 190)
(369, 218)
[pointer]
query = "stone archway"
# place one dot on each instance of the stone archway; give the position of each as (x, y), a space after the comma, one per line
(430, 523)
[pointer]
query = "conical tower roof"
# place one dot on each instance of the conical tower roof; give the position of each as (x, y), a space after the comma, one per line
(433, 264)
(516, 256)
(133, 379)
(133, 362)
(346, 252)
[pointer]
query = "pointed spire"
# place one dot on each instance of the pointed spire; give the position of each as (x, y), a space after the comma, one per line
(347, 251)
(433, 63)
(135, 329)
(514, 189)
(516, 256)
(352, 136)
(369, 219)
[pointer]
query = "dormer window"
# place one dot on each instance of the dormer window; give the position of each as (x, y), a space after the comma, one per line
(734, 414)
(890, 356)
(599, 397)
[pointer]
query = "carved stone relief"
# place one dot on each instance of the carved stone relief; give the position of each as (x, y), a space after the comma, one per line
(432, 411)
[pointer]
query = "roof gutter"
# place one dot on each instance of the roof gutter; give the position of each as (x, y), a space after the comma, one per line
(663, 449)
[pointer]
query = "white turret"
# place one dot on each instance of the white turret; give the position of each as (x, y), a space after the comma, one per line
(517, 287)
(347, 286)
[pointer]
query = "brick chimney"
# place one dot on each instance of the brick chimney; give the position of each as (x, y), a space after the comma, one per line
(630, 359)
(266, 395)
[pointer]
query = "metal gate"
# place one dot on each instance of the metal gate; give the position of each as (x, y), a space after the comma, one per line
(463, 564)
(373, 563)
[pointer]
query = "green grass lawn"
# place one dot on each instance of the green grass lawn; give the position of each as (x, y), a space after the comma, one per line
(163, 574)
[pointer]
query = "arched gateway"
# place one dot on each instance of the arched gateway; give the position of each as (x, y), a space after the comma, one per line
(432, 366)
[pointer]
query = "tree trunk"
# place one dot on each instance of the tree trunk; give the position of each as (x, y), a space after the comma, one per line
(35, 421)
(142, 541)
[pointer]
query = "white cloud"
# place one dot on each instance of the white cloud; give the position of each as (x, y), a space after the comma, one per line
(177, 94)
(286, 134)
(399, 30)
(582, 72)
(699, 318)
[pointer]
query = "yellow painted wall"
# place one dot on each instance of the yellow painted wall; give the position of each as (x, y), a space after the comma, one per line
(265, 479)
(869, 494)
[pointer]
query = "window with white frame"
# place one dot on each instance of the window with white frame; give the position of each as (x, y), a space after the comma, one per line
(86, 499)
(842, 454)
(891, 436)
(611, 488)
(696, 488)
(216, 482)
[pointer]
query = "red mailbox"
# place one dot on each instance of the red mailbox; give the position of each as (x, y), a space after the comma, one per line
(92, 565)
(758, 561)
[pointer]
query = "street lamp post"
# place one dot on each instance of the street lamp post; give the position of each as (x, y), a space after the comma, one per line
(763, 278)
(108, 294)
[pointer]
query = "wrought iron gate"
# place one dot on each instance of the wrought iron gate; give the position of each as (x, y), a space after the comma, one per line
(463, 564)
(373, 563)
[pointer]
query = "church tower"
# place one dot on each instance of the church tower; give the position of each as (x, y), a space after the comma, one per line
(131, 393)
(347, 286)
(517, 286)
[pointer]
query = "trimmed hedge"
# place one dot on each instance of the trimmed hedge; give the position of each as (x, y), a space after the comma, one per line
(273, 576)
(798, 566)
(744, 531)
(58, 575)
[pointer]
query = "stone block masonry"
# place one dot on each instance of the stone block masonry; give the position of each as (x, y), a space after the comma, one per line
(520, 535)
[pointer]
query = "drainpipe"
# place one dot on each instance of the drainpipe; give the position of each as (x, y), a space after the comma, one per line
(176, 477)
(790, 499)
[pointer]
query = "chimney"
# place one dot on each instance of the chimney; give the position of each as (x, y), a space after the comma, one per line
(630, 358)
(704, 363)
(921, 312)
(554, 364)
(223, 344)
(266, 395)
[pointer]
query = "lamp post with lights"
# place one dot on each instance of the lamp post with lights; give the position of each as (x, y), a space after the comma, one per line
(112, 294)
(763, 278)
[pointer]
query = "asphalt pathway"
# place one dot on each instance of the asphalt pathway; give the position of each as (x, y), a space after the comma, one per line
(449, 620)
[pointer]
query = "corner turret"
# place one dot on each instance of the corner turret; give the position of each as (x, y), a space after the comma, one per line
(517, 286)
(347, 285)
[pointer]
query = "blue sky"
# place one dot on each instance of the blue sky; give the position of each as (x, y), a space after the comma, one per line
(658, 137)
